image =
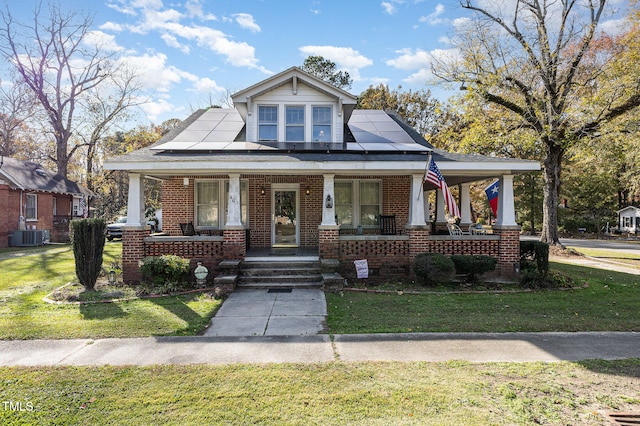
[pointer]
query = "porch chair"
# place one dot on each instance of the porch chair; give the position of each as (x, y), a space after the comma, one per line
(387, 224)
(188, 229)
(455, 231)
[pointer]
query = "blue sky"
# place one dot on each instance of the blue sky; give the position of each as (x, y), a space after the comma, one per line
(191, 51)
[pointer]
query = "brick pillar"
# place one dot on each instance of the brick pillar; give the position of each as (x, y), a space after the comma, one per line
(418, 242)
(133, 252)
(508, 250)
(4, 216)
(328, 244)
(234, 245)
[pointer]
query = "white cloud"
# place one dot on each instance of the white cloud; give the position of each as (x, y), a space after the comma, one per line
(420, 61)
(154, 73)
(434, 17)
(206, 85)
(614, 27)
(246, 21)
(346, 58)
(153, 109)
(171, 41)
(111, 26)
(389, 8)
(194, 7)
(102, 41)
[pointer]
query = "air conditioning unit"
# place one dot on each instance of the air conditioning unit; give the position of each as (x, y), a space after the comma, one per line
(29, 238)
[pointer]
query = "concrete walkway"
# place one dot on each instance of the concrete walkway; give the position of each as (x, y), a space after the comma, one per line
(276, 312)
(473, 347)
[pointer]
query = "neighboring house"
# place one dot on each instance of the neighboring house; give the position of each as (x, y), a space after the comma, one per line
(629, 219)
(295, 165)
(36, 204)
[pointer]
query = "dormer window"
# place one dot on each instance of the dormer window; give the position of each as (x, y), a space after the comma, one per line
(294, 124)
(268, 123)
(322, 123)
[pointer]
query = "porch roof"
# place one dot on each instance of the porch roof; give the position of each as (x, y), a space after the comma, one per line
(457, 168)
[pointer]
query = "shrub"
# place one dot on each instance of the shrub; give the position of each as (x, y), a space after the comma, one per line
(553, 279)
(534, 255)
(167, 271)
(88, 246)
(433, 268)
(473, 266)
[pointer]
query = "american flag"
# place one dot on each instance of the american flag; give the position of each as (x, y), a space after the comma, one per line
(83, 207)
(434, 176)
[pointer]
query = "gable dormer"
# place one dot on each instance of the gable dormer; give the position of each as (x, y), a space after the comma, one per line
(294, 107)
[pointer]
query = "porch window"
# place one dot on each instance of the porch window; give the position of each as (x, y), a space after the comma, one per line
(369, 203)
(294, 124)
(209, 203)
(358, 203)
(31, 207)
(343, 192)
(322, 123)
(268, 123)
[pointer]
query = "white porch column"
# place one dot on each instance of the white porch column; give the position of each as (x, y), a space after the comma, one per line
(416, 205)
(465, 204)
(328, 198)
(234, 209)
(135, 202)
(506, 207)
(440, 218)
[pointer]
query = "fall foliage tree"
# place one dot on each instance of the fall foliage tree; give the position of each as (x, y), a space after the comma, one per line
(529, 60)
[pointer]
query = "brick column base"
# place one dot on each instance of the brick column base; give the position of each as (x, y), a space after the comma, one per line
(234, 246)
(132, 253)
(418, 243)
(508, 251)
(328, 243)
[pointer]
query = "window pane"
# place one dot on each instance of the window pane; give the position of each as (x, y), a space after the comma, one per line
(294, 124)
(322, 124)
(207, 207)
(343, 192)
(268, 123)
(369, 203)
(30, 210)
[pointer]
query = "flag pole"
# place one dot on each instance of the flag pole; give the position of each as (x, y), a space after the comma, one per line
(424, 174)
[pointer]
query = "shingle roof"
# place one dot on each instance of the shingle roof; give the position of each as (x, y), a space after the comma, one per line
(32, 176)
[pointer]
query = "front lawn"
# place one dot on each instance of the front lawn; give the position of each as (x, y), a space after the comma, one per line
(26, 280)
(335, 393)
(608, 302)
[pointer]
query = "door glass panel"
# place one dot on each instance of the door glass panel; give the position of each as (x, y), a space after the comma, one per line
(285, 217)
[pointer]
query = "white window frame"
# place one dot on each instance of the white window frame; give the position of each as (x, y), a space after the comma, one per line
(223, 197)
(296, 125)
(269, 123)
(329, 136)
(356, 202)
(35, 207)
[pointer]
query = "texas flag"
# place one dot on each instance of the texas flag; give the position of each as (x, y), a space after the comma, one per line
(492, 196)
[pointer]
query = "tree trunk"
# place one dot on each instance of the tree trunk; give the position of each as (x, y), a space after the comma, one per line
(551, 175)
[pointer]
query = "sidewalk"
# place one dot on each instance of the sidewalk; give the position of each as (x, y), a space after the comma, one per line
(472, 347)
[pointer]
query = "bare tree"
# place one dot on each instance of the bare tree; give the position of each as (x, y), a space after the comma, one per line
(55, 61)
(104, 109)
(16, 106)
(528, 57)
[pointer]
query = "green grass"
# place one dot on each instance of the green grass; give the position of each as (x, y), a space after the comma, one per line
(609, 303)
(26, 280)
(385, 393)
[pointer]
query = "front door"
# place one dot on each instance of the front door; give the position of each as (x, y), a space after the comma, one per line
(285, 224)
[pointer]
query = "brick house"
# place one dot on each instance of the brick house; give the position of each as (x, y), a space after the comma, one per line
(294, 165)
(33, 198)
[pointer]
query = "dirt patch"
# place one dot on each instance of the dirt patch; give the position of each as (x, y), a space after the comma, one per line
(560, 251)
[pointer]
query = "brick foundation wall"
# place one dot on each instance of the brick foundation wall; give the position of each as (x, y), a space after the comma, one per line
(233, 246)
(132, 253)
(209, 251)
(386, 258)
(508, 251)
(328, 245)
